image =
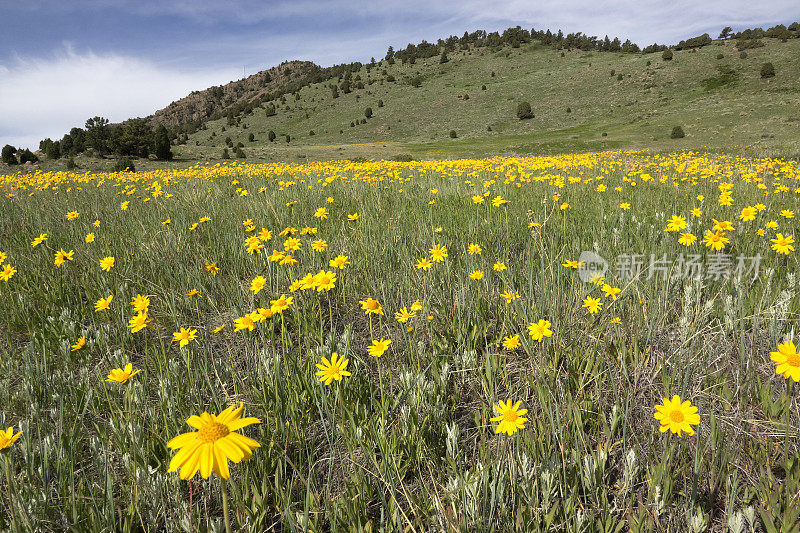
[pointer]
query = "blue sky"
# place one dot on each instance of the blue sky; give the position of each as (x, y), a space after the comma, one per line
(63, 61)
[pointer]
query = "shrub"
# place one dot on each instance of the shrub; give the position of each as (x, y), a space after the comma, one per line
(380, 103)
(238, 152)
(743, 55)
(667, 55)
(767, 70)
(368, 112)
(416, 81)
(677, 133)
(483, 87)
(311, 133)
(466, 97)
(271, 136)
(71, 163)
(746, 44)
(720, 56)
(124, 164)
(9, 156)
(613, 72)
(251, 137)
(26, 155)
(569, 110)
(619, 77)
(524, 111)
(403, 158)
(453, 134)
(225, 154)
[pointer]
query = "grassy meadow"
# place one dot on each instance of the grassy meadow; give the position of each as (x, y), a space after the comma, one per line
(235, 284)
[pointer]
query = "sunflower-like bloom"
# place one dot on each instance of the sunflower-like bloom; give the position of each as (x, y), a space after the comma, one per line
(119, 375)
(7, 438)
(787, 360)
(371, 305)
(783, 245)
(215, 442)
(333, 369)
(510, 417)
(324, 280)
(540, 330)
(378, 348)
(676, 416)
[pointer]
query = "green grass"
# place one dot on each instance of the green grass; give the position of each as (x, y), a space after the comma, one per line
(405, 443)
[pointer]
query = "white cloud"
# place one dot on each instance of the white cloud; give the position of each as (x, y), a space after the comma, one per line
(46, 97)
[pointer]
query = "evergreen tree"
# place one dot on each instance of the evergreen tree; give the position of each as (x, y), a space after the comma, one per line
(161, 144)
(53, 151)
(8, 155)
(97, 134)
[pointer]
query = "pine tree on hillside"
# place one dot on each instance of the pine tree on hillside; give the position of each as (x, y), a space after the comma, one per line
(161, 143)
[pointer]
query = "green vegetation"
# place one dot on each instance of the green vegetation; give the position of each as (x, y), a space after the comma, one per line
(420, 101)
(408, 441)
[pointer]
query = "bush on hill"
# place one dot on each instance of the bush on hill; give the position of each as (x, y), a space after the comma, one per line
(524, 111)
(124, 164)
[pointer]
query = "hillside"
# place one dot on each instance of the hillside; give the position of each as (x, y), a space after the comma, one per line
(201, 105)
(578, 104)
(582, 101)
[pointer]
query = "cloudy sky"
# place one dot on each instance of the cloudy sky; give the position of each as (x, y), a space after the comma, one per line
(62, 61)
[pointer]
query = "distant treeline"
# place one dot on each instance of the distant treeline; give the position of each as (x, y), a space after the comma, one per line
(133, 138)
(514, 37)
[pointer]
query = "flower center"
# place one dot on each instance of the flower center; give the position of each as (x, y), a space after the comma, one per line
(793, 360)
(212, 432)
(510, 416)
(676, 416)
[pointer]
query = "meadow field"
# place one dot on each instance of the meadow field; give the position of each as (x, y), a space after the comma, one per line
(466, 345)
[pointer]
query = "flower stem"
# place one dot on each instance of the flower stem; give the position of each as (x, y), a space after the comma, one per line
(10, 494)
(225, 512)
(786, 420)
